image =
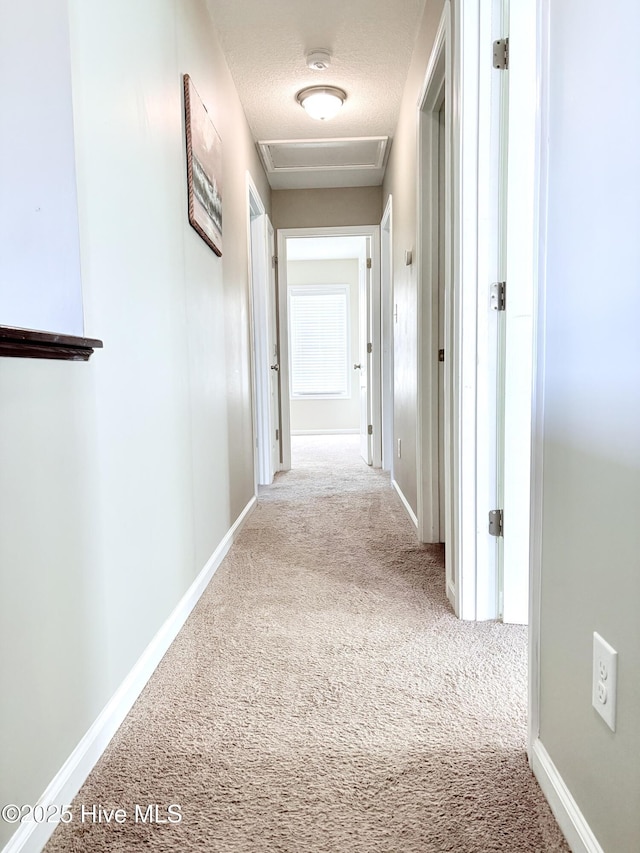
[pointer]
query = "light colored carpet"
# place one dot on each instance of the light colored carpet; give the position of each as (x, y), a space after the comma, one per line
(322, 698)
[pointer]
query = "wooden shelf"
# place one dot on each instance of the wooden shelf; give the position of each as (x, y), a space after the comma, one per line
(27, 343)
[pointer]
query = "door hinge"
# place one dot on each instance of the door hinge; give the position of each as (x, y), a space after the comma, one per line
(499, 296)
(440, 355)
(277, 435)
(369, 348)
(368, 263)
(501, 54)
(496, 522)
(370, 429)
(274, 261)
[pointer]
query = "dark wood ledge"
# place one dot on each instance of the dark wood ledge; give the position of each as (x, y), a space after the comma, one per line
(27, 343)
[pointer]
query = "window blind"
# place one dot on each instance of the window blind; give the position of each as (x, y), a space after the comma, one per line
(319, 340)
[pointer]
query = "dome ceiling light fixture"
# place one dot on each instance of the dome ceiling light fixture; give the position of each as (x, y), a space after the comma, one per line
(322, 102)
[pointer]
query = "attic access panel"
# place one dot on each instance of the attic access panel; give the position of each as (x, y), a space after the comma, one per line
(298, 155)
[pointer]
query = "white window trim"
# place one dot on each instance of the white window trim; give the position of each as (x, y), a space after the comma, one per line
(319, 289)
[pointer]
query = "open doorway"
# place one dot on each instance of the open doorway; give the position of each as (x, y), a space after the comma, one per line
(330, 337)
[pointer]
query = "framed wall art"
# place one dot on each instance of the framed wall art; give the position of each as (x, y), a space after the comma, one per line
(204, 169)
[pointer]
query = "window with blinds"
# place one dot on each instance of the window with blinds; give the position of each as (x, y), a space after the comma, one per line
(319, 341)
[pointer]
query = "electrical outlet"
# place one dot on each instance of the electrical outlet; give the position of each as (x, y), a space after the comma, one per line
(605, 680)
(399, 448)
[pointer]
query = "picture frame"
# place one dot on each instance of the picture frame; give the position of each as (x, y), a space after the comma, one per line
(204, 169)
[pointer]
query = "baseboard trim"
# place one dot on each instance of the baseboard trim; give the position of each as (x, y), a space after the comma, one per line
(405, 504)
(31, 836)
(325, 432)
(451, 595)
(572, 822)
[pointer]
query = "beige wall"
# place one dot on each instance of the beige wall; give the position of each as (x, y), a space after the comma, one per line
(591, 363)
(325, 208)
(401, 182)
(120, 477)
(327, 415)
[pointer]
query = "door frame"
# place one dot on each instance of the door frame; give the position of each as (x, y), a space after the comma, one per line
(436, 90)
(476, 256)
(365, 358)
(373, 232)
(465, 33)
(521, 277)
(473, 419)
(274, 368)
(528, 152)
(259, 281)
(471, 553)
(386, 332)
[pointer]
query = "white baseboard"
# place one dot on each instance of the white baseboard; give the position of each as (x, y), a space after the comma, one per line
(31, 836)
(405, 504)
(325, 432)
(451, 595)
(572, 822)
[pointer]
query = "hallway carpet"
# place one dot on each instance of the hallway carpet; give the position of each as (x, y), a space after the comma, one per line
(322, 698)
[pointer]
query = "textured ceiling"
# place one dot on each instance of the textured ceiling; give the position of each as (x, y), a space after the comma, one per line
(265, 44)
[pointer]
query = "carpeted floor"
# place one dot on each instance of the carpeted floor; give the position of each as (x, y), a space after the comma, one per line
(322, 698)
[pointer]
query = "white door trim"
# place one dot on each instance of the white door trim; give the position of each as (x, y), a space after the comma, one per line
(542, 62)
(254, 206)
(273, 354)
(376, 355)
(471, 111)
(475, 119)
(488, 140)
(260, 356)
(373, 232)
(436, 90)
(521, 273)
(471, 581)
(465, 109)
(386, 323)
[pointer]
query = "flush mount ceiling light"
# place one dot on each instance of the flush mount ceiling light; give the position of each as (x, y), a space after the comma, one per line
(322, 102)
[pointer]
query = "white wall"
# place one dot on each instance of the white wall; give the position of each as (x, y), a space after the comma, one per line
(591, 363)
(327, 415)
(401, 182)
(40, 284)
(121, 476)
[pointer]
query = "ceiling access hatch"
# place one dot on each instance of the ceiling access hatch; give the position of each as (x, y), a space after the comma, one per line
(308, 155)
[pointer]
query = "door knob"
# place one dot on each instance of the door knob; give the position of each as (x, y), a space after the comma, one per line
(275, 367)
(357, 367)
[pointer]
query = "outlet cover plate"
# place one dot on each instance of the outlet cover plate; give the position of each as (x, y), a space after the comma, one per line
(604, 680)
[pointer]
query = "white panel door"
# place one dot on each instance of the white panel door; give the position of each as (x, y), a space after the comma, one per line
(259, 284)
(516, 327)
(386, 328)
(274, 352)
(442, 260)
(363, 365)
